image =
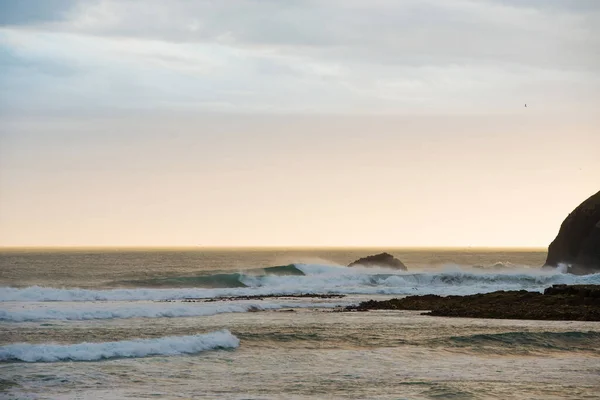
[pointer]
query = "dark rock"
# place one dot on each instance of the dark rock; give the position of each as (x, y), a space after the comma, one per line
(560, 302)
(574, 290)
(589, 254)
(258, 297)
(578, 241)
(385, 260)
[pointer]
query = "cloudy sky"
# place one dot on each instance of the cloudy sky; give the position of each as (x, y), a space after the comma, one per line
(296, 122)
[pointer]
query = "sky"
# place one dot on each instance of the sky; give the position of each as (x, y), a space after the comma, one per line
(296, 123)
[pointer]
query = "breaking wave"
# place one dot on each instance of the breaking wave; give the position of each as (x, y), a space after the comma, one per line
(218, 280)
(208, 281)
(166, 346)
(311, 279)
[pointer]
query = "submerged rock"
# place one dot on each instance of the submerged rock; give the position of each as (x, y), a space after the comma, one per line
(592, 291)
(560, 302)
(385, 260)
(578, 241)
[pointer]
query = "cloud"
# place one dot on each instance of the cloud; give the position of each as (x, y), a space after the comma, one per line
(22, 12)
(411, 32)
(303, 55)
(561, 5)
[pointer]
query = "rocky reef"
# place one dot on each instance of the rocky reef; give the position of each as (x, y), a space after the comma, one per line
(385, 260)
(578, 241)
(559, 302)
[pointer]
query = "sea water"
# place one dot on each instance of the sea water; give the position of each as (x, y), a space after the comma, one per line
(82, 324)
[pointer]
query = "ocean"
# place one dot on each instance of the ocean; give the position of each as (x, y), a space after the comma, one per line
(267, 324)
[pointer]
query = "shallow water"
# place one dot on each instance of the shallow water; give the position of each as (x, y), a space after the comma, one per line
(280, 348)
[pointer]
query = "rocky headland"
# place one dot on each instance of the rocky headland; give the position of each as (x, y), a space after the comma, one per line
(578, 241)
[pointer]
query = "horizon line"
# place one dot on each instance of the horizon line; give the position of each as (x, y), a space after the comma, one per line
(261, 247)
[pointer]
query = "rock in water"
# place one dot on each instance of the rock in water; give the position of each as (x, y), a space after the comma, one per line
(385, 260)
(578, 241)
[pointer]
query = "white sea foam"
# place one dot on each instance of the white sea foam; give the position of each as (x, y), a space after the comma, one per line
(166, 346)
(17, 312)
(327, 279)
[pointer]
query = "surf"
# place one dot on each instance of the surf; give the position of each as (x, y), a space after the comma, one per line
(137, 348)
(313, 279)
(108, 311)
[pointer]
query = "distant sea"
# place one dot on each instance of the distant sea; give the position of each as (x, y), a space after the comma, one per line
(170, 323)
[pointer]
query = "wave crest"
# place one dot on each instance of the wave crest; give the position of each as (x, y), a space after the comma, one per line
(166, 346)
